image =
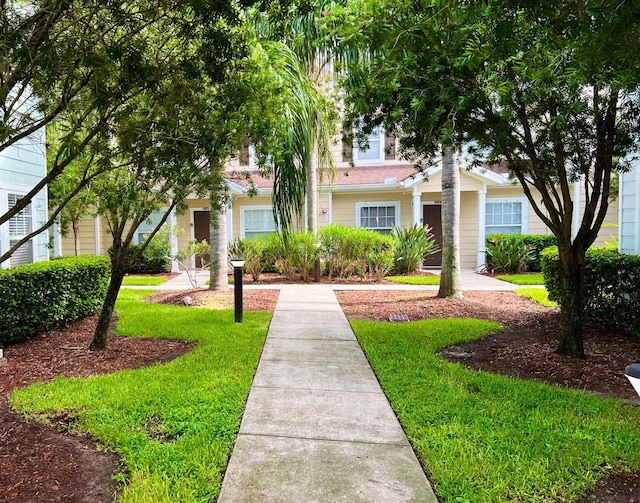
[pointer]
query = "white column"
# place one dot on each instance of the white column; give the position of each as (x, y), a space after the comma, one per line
(98, 233)
(482, 208)
(417, 205)
(173, 236)
(577, 194)
(637, 210)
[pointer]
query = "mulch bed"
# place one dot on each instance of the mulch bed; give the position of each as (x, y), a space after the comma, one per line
(41, 464)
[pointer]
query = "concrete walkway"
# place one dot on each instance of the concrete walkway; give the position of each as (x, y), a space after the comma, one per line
(471, 280)
(317, 427)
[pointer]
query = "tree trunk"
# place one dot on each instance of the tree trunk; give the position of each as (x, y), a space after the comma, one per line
(76, 235)
(450, 281)
(312, 193)
(118, 270)
(572, 270)
(218, 279)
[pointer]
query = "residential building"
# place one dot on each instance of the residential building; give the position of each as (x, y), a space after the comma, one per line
(22, 166)
(629, 227)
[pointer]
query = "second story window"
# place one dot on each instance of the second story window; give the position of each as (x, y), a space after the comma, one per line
(377, 147)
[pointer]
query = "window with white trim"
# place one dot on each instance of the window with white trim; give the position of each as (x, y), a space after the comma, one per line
(147, 227)
(506, 216)
(256, 221)
(373, 150)
(381, 217)
(20, 225)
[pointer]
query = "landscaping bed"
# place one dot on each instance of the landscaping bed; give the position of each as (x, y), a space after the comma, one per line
(40, 464)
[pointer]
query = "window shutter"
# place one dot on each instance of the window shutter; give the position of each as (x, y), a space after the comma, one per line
(243, 156)
(389, 147)
(347, 146)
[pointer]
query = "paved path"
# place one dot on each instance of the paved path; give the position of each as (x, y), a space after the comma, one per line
(317, 427)
(471, 280)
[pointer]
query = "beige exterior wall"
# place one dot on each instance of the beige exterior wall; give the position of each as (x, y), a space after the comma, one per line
(88, 238)
(344, 206)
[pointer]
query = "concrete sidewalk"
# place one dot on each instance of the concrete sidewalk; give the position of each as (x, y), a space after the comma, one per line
(471, 280)
(317, 427)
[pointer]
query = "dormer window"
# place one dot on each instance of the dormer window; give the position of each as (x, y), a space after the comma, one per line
(373, 150)
(377, 147)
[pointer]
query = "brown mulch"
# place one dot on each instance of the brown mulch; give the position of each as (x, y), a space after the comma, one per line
(40, 464)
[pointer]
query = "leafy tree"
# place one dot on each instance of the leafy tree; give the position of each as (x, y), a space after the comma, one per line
(548, 88)
(86, 60)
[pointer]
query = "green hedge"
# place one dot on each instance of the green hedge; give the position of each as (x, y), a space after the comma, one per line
(534, 244)
(612, 286)
(152, 261)
(37, 297)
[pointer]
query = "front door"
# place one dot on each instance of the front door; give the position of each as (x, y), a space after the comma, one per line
(432, 216)
(201, 231)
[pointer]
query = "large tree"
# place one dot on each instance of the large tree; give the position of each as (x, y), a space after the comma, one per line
(87, 59)
(548, 88)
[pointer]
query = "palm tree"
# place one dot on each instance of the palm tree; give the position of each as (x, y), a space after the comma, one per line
(312, 115)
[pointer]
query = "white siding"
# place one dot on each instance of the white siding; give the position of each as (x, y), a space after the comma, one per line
(21, 167)
(629, 230)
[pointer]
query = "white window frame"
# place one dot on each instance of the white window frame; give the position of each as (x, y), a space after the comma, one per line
(377, 204)
(524, 225)
(381, 150)
(244, 209)
(6, 236)
(136, 237)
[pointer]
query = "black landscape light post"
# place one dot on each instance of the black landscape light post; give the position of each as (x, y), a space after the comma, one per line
(238, 264)
(633, 374)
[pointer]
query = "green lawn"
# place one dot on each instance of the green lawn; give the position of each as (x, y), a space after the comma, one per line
(136, 280)
(174, 425)
(488, 438)
(415, 280)
(523, 279)
(539, 295)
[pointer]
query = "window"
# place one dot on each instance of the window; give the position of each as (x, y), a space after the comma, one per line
(381, 217)
(146, 227)
(20, 225)
(373, 151)
(506, 216)
(256, 221)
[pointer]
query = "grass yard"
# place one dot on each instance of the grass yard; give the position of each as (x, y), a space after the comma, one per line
(141, 280)
(415, 280)
(523, 279)
(174, 425)
(539, 295)
(487, 438)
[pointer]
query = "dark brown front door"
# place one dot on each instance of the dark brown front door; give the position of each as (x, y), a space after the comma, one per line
(201, 231)
(432, 216)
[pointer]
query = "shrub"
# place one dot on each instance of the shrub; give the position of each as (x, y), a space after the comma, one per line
(506, 253)
(411, 246)
(343, 250)
(251, 250)
(299, 253)
(612, 286)
(37, 297)
(535, 243)
(155, 259)
(380, 257)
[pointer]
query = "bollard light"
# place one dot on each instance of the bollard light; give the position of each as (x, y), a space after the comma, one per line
(633, 374)
(237, 264)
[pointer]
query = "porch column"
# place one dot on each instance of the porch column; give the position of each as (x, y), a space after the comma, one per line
(173, 235)
(577, 194)
(98, 233)
(482, 208)
(417, 206)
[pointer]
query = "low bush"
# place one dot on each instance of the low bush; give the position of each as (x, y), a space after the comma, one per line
(353, 251)
(252, 251)
(295, 255)
(155, 259)
(534, 243)
(37, 297)
(412, 245)
(507, 254)
(612, 286)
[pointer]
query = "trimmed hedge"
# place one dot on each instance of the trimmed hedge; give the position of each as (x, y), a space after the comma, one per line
(37, 297)
(535, 244)
(612, 286)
